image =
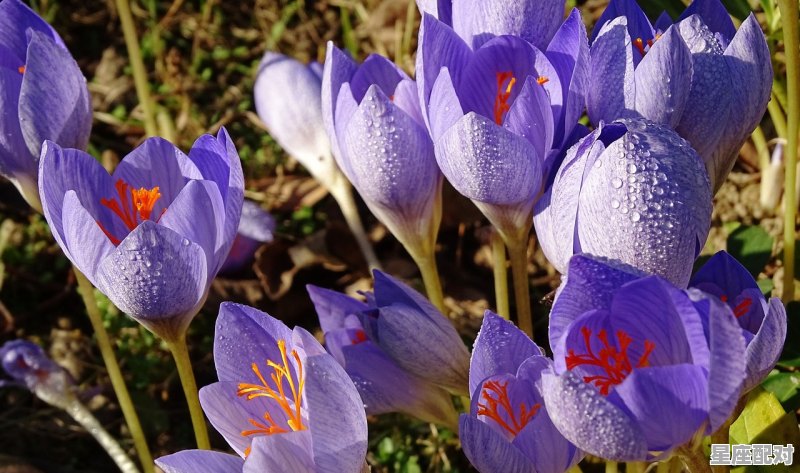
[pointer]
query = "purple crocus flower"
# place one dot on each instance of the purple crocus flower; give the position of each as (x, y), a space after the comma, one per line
(43, 96)
(498, 113)
(288, 100)
(508, 427)
(633, 191)
(763, 322)
(352, 331)
(640, 368)
(478, 21)
(27, 364)
(373, 119)
(282, 403)
(152, 235)
(401, 332)
(700, 76)
(256, 227)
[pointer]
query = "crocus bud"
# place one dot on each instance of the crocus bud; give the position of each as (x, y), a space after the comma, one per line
(633, 191)
(43, 96)
(26, 363)
(153, 235)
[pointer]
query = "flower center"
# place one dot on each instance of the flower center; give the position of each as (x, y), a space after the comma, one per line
(614, 361)
(290, 402)
(496, 401)
(132, 206)
(642, 46)
(741, 308)
(501, 105)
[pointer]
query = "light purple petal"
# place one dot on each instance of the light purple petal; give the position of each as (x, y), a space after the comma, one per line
(406, 98)
(200, 461)
(548, 450)
(535, 21)
(488, 451)
(637, 23)
(379, 71)
(256, 223)
(727, 370)
(587, 419)
(663, 80)
(530, 116)
(445, 108)
(54, 100)
(87, 246)
(500, 347)
(339, 68)
(648, 204)
(336, 414)
(611, 87)
(155, 274)
(765, 348)
(714, 15)
(289, 453)
(489, 163)
(332, 307)
(669, 403)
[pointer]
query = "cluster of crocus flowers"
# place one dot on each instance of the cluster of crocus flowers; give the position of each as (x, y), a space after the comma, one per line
(700, 76)
(43, 95)
(281, 402)
(633, 191)
(641, 367)
(401, 352)
(153, 235)
(508, 427)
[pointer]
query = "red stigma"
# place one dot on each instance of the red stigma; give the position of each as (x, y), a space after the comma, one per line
(501, 105)
(359, 337)
(495, 397)
(613, 361)
(132, 206)
(743, 307)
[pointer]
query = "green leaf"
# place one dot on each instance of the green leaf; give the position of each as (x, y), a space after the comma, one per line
(766, 286)
(738, 8)
(785, 387)
(752, 246)
(763, 420)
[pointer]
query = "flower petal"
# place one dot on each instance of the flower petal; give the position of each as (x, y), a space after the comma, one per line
(611, 87)
(87, 245)
(587, 419)
(664, 79)
(339, 68)
(200, 461)
(723, 275)
(637, 23)
(530, 116)
(765, 348)
(535, 21)
(282, 453)
(669, 403)
(378, 71)
(488, 451)
(444, 108)
(714, 15)
(332, 307)
(544, 445)
(14, 155)
(54, 100)
(15, 20)
(338, 423)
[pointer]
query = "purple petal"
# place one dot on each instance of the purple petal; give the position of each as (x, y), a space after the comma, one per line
(15, 20)
(245, 336)
(500, 347)
(15, 159)
(384, 387)
(535, 21)
(445, 108)
(346, 108)
(200, 461)
(611, 88)
(376, 70)
(87, 246)
(669, 403)
(54, 100)
(723, 275)
(530, 117)
(332, 307)
(441, 9)
(649, 193)
(587, 419)
(288, 99)
(765, 348)
(155, 274)
(439, 46)
(714, 15)
(338, 424)
(637, 23)
(406, 98)
(421, 347)
(339, 68)
(590, 283)
(289, 452)
(663, 80)
(256, 223)
(663, 22)
(489, 163)
(391, 291)
(549, 451)
(488, 451)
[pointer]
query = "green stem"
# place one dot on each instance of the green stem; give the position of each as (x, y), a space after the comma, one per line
(117, 380)
(181, 355)
(611, 467)
(342, 192)
(518, 254)
(84, 417)
(635, 467)
(500, 275)
(695, 460)
(760, 142)
(778, 119)
(791, 41)
(137, 67)
(426, 261)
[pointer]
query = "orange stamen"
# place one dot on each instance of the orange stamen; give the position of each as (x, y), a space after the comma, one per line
(542, 80)
(501, 105)
(492, 406)
(613, 361)
(290, 403)
(132, 211)
(639, 44)
(21, 69)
